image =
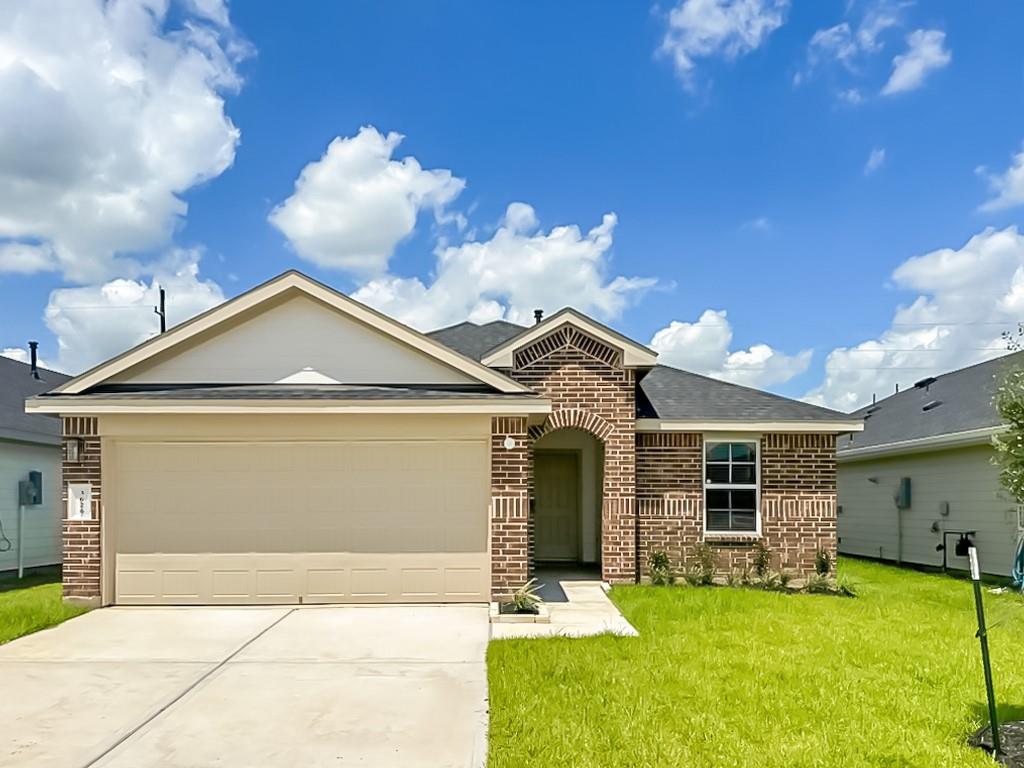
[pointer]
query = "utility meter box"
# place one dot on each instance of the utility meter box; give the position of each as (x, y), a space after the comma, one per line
(903, 494)
(30, 492)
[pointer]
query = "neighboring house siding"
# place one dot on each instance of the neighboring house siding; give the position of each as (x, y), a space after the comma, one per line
(590, 390)
(82, 537)
(798, 500)
(869, 524)
(42, 537)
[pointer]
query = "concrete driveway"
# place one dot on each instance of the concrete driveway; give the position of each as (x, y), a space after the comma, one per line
(131, 687)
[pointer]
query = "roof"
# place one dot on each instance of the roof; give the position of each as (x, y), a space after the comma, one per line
(16, 384)
(474, 340)
(958, 402)
(666, 393)
(673, 394)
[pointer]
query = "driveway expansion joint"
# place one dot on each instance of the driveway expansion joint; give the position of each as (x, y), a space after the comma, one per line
(182, 694)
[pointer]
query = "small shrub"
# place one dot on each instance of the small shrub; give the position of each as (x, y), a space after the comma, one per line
(526, 599)
(784, 579)
(845, 586)
(746, 576)
(734, 578)
(762, 559)
(823, 562)
(819, 584)
(701, 569)
(659, 568)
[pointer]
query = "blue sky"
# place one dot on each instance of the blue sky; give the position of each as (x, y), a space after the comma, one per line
(732, 150)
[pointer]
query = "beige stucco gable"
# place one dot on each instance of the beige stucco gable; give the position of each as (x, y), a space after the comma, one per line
(298, 335)
(375, 348)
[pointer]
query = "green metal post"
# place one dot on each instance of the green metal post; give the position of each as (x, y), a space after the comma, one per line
(983, 638)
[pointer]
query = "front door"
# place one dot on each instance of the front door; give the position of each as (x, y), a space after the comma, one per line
(557, 478)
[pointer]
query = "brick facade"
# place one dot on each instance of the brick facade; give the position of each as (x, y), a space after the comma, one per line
(81, 538)
(652, 493)
(798, 500)
(591, 390)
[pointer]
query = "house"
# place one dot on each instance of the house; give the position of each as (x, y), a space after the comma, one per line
(28, 443)
(933, 442)
(293, 445)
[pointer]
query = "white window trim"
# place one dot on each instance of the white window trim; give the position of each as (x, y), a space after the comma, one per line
(713, 439)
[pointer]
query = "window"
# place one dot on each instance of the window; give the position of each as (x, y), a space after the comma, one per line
(730, 487)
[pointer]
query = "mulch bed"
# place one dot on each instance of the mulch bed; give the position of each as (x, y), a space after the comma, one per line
(1011, 738)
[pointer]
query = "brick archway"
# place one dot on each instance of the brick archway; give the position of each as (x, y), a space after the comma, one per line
(574, 418)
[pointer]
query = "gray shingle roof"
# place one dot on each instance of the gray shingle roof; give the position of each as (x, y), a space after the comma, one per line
(664, 392)
(16, 384)
(669, 393)
(965, 401)
(474, 340)
(295, 392)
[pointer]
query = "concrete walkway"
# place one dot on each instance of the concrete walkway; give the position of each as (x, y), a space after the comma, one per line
(586, 611)
(176, 687)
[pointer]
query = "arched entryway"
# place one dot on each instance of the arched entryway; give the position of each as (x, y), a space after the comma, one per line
(568, 475)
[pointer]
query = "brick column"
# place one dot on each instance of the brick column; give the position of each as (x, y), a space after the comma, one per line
(798, 497)
(618, 507)
(510, 509)
(81, 538)
(670, 500)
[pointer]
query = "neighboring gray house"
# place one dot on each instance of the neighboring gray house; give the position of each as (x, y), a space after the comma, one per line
(937, 435)
(28, 442)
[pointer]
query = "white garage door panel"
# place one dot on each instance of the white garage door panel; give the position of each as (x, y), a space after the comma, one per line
(265, 522)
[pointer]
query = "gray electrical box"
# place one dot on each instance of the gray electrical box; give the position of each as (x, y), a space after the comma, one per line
(903, 494)
(30, 492)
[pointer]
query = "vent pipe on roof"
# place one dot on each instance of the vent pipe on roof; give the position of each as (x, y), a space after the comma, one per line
(34, 358)
(538, 315)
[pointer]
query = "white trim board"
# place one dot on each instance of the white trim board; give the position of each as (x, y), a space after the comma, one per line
(85, 406)
(981, 436)
(289, 281)
(686, 425)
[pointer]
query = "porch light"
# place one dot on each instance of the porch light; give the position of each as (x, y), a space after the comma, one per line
(510, 443)
(73, 447)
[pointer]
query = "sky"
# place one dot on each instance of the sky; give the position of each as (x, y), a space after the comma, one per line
(822, 199)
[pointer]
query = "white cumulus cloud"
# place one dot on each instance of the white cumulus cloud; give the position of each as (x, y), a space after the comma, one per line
(1007, 187)
(352, 207)
(966, 298)
(95, 322)
(704, 347)
(520, 268)
(926, 53)
(729, 28)
(108, 117)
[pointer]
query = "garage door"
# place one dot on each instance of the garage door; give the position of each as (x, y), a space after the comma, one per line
(290, 522)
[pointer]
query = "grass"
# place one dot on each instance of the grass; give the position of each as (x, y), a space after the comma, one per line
(739, 677)
(33, 603)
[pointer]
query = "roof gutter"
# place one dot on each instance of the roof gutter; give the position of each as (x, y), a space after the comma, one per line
(981, 436)
(734, 425)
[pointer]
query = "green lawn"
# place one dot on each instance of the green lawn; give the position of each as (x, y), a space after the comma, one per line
(735, 677)
(31, 604)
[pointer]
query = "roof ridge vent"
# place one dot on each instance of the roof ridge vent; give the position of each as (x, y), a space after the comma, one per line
(931, 405)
